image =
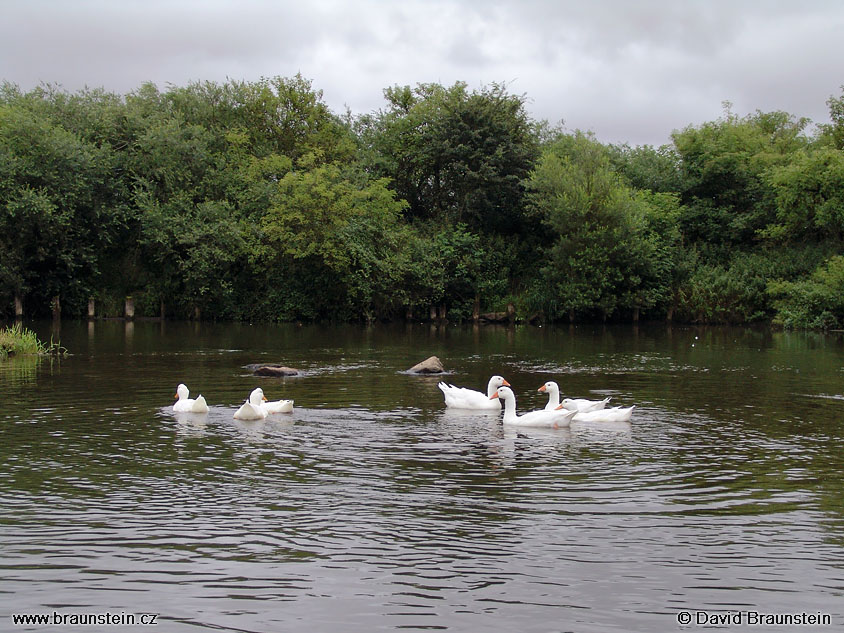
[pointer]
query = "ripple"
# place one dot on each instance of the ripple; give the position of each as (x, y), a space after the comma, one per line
(372, 506)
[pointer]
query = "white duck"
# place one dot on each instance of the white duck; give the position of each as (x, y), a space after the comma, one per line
(578, 404)
(615, 414)
(251, 409)
(462, 398)
(184, 404)
(276, 406)
(256, 407)
(555, 419)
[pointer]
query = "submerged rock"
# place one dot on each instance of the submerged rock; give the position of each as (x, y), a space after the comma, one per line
(275, 370)
(430, 365)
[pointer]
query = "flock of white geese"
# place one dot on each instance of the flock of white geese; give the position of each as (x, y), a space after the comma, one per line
(556, 414)
(256, 407)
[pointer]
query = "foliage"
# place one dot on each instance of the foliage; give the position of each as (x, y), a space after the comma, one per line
(16, 340)
(610, 248)
(454, 155)
(321, 218)
(252, 200)
(833, 133)
(809, 194)
(816, 302)
(723, 166)
(646, 167)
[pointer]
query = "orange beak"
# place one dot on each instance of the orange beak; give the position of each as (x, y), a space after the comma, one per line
(264, 399)
(507, 384)
(176, 397)
(542, 388)
(558, 408)
(494, 396)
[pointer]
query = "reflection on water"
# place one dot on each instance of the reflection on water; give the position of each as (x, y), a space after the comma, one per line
(371, 506)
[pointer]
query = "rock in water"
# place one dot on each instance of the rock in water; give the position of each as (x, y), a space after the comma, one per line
(276, 370)
(430, 365)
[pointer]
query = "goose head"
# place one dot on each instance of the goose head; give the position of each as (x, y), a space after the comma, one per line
(498, 381)
(503, 393)
(257, 397)
(182, 392)
(549, 387)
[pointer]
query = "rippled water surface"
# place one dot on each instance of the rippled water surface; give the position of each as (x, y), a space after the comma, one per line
(371, 507)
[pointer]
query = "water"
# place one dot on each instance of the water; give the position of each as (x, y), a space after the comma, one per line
(372, 508)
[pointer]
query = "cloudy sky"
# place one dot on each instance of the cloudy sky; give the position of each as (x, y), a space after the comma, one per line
(628, 70)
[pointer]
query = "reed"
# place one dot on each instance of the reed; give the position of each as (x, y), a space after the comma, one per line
(16, 340)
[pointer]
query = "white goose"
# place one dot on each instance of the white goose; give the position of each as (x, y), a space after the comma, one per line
(578, 404)
(184, 404)
(276, 406)
(557, 418)
(615, 414)
(462, 398)
(255, 408)
(251, 409)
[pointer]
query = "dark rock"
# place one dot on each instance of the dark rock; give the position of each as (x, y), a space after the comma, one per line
(276, 370)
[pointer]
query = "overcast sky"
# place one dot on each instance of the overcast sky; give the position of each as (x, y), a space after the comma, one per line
(628, 70)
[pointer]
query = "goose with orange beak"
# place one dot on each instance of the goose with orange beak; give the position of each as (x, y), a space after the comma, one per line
(463, 398)
(576, 404)
(555, 419)
(257, 407)
(185, 404)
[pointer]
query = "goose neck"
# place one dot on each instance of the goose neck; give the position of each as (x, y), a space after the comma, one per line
(510, 410)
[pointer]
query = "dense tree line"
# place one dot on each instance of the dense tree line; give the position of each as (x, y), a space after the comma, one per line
(254, 201)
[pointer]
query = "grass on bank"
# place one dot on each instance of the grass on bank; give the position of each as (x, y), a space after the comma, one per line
(16, 340)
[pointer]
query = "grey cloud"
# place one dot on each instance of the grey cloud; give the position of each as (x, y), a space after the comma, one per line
(629, 71)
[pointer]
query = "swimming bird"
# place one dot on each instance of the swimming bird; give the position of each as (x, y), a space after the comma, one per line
(578, 404)
(463, 398)
(256, 407)
(556, 418)
(584, 406)
(251, 409)
(615, 414)
(276, 406)
(184, 404)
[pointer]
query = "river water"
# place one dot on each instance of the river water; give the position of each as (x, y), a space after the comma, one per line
(371, 507)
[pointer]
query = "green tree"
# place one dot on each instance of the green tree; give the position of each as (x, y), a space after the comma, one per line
(809, 197)
(833, 133)
(339, 226)
(723, 166)
(454, 155)
(816, 302)
(647, 167)
(58, 207)
(609, 247)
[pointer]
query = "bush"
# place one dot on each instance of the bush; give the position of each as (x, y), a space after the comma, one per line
(814, 303)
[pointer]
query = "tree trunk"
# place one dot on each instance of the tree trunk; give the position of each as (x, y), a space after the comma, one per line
(476, 309)
(92, 308)
(129, 308)
(433, 313)
(636, 314)
(18, 307)
(57, 308)
(511, 312)
(162, 311)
